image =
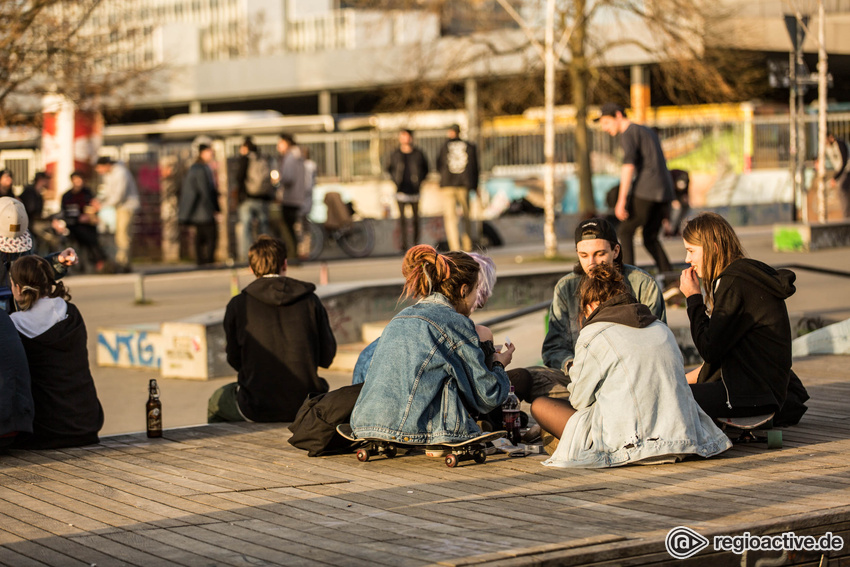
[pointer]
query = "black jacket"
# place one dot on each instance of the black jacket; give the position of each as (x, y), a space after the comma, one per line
(748, 336)
(278, 335)
(458, 164)
(67, 411)
(198, 200)
(16, 407)
(418, 170)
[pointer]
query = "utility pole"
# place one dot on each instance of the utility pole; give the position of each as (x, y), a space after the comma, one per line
(822, 86)
(550, 238)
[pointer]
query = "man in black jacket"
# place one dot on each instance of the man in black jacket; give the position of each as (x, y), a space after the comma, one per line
(408, 168)
(278, 335)
(458, 167)
(198, 205)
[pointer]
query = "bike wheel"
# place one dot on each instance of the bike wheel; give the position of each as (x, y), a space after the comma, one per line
(314, 236)
(358, 239)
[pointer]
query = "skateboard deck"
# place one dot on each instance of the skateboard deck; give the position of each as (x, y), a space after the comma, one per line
(471, 449)
(746, 428)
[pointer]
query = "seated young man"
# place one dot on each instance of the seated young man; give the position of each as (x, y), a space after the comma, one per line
(278, 335)
(596, 243)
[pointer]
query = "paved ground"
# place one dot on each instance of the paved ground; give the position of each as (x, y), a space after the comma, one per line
(108, 300)
(240, 495)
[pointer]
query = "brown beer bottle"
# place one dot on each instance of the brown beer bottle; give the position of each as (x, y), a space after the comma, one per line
(154, 411)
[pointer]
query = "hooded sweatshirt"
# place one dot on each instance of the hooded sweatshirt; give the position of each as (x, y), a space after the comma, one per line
(630, 394)
(748, 335)
(67, 411)
(278, 335)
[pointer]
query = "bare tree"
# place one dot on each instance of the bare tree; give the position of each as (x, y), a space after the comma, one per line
(55, 47)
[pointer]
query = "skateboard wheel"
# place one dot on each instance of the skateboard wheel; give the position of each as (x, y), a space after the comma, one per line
(362, 455)
(390, 451)
(479, 456)
(451, 461)
(774, 439)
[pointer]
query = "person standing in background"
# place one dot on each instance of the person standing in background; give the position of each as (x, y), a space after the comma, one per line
(254, 191)
(120, 191)
(198, 205)
(291, 193)
(458, 167)
(33, 199)
(79, 211)
(408, 168)
(646, 187)
(836, 152)
(6, 181)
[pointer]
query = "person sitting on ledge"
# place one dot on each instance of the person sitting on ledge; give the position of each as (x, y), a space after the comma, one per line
(428, 371)
(52, 330)
(740, 328)
(278, 335)
(629, 400)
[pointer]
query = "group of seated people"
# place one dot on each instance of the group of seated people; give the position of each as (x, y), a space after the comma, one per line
(48, 398)
(614, 389)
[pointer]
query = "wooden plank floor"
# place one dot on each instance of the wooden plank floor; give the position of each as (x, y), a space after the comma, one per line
(240, 495)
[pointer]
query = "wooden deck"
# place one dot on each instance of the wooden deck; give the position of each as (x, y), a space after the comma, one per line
(240, 495)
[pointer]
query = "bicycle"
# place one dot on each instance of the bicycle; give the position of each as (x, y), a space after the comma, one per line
(357, 239)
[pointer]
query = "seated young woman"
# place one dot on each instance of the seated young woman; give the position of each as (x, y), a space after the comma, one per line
(629, 400)
(740, 326)
(486, 282)
(67, 411)
(428, 371)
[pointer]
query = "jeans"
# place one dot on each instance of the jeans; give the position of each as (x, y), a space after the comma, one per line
(222, 405)
(403, 223)
(206, 239)
(249, 210)
(123, 235)
(452, 196)
(649, 215)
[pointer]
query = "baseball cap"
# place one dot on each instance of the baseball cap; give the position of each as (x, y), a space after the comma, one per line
(610, 109)
(104, 160)
(593, 229)
(14, 237)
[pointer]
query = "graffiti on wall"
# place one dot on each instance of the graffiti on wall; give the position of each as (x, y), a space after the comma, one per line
(128, 348)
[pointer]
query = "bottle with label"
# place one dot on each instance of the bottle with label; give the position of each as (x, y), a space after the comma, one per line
(154, 411)
(510, 417)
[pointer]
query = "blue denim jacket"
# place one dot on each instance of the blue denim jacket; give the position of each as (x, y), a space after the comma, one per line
(426, 376)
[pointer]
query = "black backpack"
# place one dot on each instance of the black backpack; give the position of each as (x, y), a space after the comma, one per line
(314, 428)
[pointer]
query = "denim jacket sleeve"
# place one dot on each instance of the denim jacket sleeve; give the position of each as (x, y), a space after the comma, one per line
(558, 346)
(480, 388)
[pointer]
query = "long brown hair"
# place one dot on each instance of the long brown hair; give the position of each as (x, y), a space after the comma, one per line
(720, 247)
(601, 284)
(35, 276)
(427, 271)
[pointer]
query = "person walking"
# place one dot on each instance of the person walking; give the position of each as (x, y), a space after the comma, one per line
(198, 205)
(408, 168)
(837, 153)
(646, 187)
(458, 167)
(121, 193)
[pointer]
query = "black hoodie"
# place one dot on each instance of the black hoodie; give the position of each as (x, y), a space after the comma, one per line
(278, 335)
(67, 411)
(748, 336)
(622, 309)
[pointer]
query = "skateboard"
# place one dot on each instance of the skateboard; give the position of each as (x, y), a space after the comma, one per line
(471, 449)
(746, 428)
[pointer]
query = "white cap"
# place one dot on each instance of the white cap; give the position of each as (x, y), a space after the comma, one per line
(14, 237)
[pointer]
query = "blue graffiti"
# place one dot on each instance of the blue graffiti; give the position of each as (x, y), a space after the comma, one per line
(140, 352)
